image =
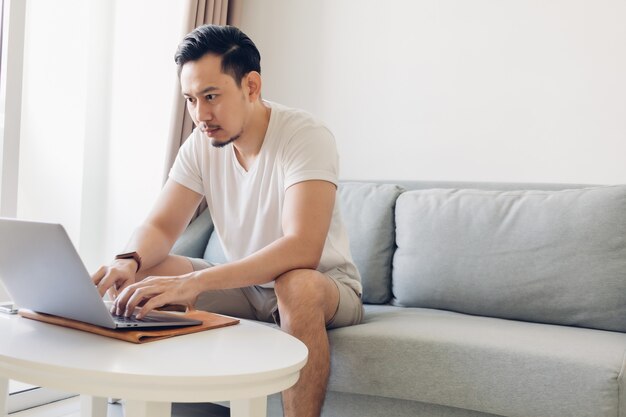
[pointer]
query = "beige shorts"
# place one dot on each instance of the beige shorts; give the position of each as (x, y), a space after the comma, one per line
(259, 303)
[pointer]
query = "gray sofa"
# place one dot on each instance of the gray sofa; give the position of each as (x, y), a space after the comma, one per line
(481, 299)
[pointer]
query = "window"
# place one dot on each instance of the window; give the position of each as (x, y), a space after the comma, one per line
(12, 23)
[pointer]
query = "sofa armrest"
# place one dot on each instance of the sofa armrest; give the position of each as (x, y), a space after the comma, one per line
(194, 240)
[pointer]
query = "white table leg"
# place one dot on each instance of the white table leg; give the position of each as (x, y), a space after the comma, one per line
(4, 395)
(93, 406)
(251, 407)
(134, 408)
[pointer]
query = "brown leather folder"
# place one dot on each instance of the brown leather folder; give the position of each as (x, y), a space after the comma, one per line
(209, 321)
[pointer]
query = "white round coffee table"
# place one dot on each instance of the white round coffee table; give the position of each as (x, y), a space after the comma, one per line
(242, 364)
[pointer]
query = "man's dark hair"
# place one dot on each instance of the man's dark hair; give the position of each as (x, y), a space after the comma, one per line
(239, 54)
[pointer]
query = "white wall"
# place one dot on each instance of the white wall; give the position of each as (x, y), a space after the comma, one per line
(487, 90)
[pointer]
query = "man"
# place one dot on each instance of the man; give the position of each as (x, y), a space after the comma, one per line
(269, 174)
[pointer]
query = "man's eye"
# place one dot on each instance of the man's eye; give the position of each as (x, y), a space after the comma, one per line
(211, 97)
(189, 100)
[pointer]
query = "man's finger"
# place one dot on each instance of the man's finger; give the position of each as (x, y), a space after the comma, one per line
(98, 275)
(123, 285)
(132, 295)
(105, 283)
(119, 306)
(113, 280)
(145, 296)
(113, 293)
(153, 303)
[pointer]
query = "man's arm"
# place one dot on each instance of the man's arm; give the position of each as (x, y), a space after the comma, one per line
(307, 213)
(155, 237)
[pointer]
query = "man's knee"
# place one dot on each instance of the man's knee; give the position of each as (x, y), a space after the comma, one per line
(299, 286)
(306, 292)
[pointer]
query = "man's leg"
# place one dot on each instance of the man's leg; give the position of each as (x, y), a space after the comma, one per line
(307, 300)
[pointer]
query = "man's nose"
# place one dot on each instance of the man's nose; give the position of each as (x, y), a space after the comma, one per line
(203, 112)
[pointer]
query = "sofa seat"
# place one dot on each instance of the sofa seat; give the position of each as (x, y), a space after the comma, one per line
(489, 365)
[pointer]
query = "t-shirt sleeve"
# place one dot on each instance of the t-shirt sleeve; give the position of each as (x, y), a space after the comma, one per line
(311, 155)
(186, 169)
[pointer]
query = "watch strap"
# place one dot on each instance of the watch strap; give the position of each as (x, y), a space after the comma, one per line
(131, 255)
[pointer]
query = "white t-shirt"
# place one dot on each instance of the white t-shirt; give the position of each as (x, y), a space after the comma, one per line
(246, 206)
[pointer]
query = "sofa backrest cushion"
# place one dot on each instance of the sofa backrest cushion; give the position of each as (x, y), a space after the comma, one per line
(193, 241)
(214, 252)
(545, 256)
(367, 210)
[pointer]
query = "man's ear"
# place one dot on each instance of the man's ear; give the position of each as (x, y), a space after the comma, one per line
(252, 85)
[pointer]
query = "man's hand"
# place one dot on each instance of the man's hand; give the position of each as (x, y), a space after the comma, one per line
(154, 238)
(156, 292)
(115, 277)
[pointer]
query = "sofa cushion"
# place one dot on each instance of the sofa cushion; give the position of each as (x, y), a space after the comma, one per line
(214, 252)
(355, 405)
(496, 366)
(193, 241)
(368, 213)
(544, 256)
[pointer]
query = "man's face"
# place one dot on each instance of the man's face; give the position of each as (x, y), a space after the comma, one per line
(217, 105)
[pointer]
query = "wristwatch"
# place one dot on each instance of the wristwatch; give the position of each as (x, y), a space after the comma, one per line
(131, 255)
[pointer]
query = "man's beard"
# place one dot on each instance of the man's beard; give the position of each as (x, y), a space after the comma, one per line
(217, 144)
(204, 128)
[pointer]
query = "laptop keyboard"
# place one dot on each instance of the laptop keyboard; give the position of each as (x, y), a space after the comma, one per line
(133, 319)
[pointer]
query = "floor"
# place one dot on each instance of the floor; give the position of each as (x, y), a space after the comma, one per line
(71, 408)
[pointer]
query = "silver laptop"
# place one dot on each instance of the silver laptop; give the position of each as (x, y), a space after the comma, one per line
(42, 271)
